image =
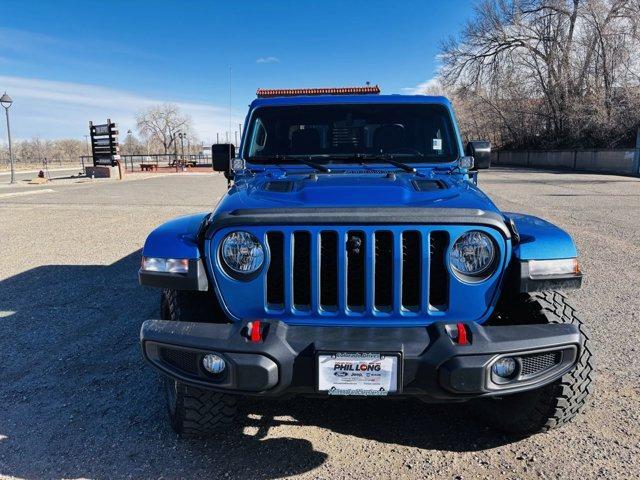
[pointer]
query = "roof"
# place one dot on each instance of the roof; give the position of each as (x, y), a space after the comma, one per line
(346, 99)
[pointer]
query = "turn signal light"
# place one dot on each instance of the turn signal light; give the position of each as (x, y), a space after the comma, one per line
(166, 265)
(562, 266)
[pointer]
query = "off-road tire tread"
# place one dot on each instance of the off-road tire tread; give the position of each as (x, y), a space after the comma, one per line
(198, 412)
(557, 403)
(202, 412)
(186, 305)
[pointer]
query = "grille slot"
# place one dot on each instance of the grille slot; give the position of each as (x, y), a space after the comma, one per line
(539, 362)
(438, 275)
(275, 274)
(411, 264)
(355, 270)
(302, 270)
(383, 291)
(329, 270)
(181, 359)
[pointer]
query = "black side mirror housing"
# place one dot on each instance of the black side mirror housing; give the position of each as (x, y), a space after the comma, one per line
(221, 154)
(481, 153)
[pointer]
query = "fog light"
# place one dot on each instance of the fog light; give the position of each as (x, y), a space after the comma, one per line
(213, 363)
(504, 367)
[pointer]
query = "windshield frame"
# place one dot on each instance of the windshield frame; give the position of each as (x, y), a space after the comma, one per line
(457, 150)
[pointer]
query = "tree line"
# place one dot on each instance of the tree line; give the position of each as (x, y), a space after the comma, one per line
(157, 131)
(547, 73)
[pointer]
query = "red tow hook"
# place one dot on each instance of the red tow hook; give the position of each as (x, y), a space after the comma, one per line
(462, 334)
(458, 333)
(255, 333)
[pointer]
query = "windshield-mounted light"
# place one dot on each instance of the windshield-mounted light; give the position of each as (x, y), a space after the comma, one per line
(546, 268)
(165, 265)
(466, 163)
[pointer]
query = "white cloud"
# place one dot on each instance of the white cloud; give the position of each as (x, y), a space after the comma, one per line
(268, 60)
(51, 109)
(428, 87)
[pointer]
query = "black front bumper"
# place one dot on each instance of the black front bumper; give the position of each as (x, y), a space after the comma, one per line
(432, 364)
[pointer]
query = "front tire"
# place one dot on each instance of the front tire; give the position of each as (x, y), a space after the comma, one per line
(555, 404)
(193, 412)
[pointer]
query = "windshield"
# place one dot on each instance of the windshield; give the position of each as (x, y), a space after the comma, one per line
(351, 132)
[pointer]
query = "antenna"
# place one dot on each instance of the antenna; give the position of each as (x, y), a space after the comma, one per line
(229, 97)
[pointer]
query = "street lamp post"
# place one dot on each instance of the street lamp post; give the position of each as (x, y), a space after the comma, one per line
(181, 136)
(6, 102)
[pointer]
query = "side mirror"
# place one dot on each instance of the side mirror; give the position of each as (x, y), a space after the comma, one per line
(481, 153)
(221, 154)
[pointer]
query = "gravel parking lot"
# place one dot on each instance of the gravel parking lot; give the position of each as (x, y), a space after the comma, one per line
(77, 401)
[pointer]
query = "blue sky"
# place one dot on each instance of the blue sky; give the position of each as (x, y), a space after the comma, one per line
(65, 63)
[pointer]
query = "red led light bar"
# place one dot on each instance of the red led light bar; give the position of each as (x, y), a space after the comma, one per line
(293, 92)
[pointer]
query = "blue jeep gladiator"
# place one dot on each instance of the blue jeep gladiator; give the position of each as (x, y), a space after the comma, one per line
(354, 255)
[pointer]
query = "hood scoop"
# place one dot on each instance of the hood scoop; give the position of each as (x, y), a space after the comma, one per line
(429, 185)
(279, 186)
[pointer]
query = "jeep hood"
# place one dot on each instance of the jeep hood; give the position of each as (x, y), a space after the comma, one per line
(349, 190)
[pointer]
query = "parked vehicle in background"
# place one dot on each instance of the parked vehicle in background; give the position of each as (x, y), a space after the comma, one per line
(354, 255)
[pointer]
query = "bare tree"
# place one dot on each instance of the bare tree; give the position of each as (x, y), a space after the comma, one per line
(161, 124)
(36, 149)
(552, 72)
(132, 145)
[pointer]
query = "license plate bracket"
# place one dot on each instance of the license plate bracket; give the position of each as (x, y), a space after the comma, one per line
(358, 373)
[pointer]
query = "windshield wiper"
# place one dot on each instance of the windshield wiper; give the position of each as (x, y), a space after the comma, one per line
(306, 159)
(389, 159)
(384, 157)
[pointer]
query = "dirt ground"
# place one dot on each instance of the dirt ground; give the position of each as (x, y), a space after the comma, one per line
(77, 401)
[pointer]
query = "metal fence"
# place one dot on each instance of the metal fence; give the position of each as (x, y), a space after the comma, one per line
(155, 161)
(38, 163)
(624, 162)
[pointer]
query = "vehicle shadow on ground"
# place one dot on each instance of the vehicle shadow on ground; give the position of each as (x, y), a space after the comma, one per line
(78, 401)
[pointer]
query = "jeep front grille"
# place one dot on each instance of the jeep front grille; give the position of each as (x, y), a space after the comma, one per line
(352, 271)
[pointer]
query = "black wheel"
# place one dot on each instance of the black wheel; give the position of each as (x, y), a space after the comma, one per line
(555, 404)
(193, 411)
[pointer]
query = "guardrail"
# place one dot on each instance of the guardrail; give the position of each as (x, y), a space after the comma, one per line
(622, 162)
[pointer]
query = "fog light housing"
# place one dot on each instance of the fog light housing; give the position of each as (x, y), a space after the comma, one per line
(213, 363)
(504, 367)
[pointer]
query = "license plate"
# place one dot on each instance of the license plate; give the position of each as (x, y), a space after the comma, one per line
(370, 374)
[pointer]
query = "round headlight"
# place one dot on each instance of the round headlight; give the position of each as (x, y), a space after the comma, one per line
(473, 254)
(242, 252)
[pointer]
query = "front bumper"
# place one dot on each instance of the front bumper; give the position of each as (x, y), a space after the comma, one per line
(432, 364)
